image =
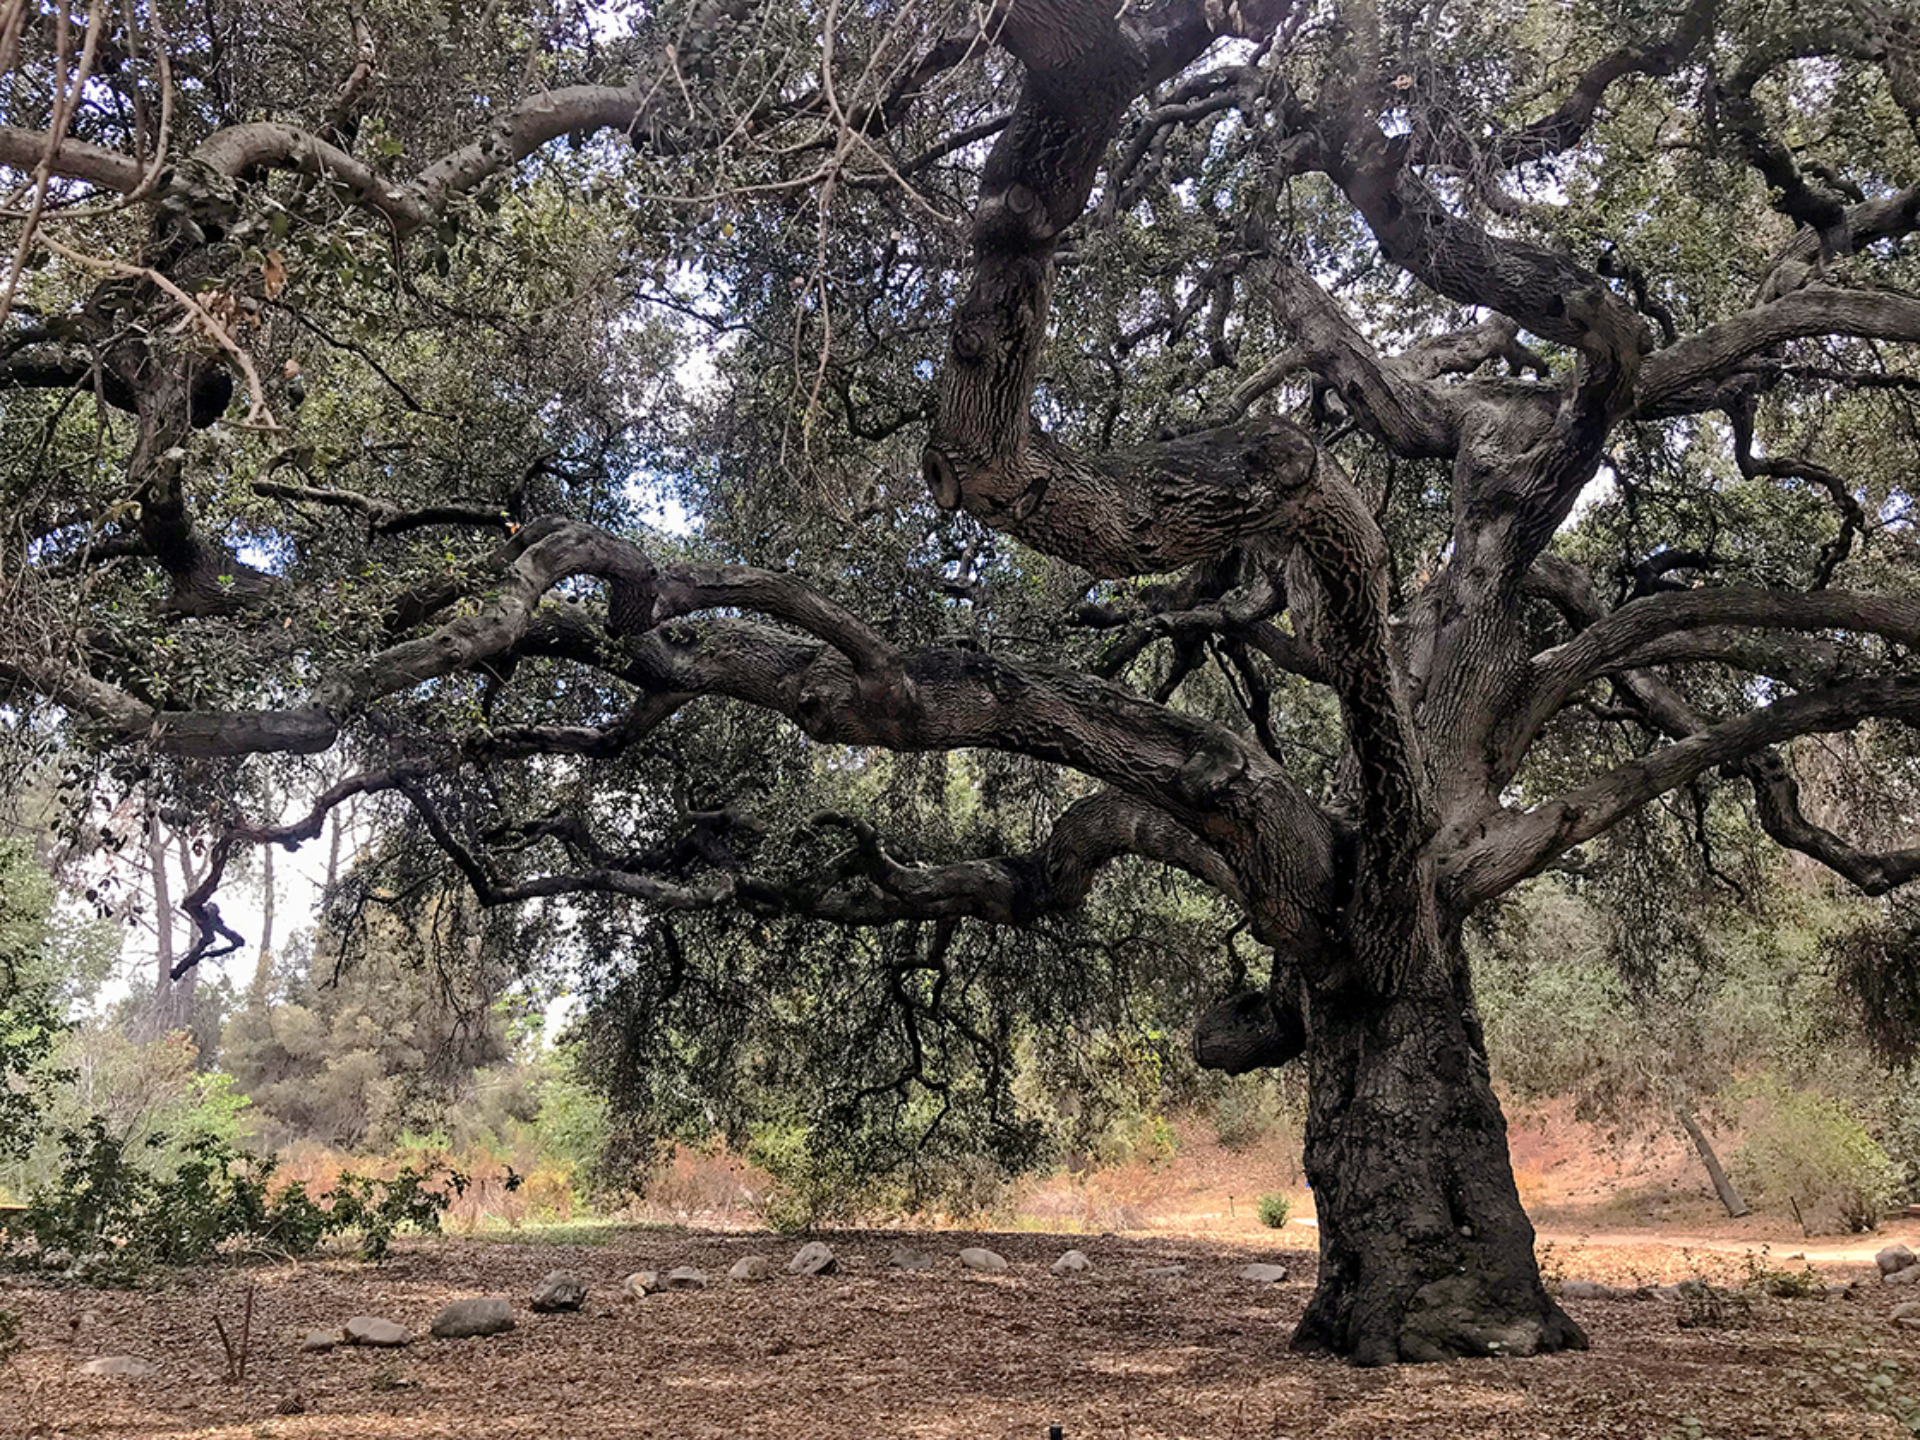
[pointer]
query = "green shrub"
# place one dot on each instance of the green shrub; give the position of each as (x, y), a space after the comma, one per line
(1274, 1210)
(1806, 1151)
(379, 1208)
(812, 1183)
(110, 1198)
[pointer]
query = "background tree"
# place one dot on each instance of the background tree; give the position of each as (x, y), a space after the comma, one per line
(1245, 560)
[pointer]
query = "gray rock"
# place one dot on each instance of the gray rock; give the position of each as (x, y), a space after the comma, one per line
(477, 1315)
(319, 1342)
(813, 1258)
(1163, 1272)
(908, 1258)
(1263, 1274)
(975, 1258)
(1906, 1311)
(126, 1367)
(641, 1283)
(1667, 1292)
(562, 1290)
(379, 1333)
(1895, 1258)
(686, 1277)
(1074, 1262)
(1586, 1290)
(751, 1267)
(1907, 1276)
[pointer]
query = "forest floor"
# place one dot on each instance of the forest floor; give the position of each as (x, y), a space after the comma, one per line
(948, 1354)
(875, 1352)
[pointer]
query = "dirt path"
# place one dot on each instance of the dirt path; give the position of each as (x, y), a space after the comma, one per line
(943, 1355)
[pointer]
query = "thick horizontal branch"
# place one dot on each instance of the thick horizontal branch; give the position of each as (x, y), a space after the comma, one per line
(383, 517)
(74, 159)
(1688, 377)
(1054, 878)
(1615, 642)
(1512, 846)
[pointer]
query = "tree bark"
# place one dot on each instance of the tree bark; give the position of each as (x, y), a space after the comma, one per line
(1716, 1172)
(1425, 1251)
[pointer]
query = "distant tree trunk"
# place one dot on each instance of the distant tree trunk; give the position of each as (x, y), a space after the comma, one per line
(333, 853)
(263, 965)
(1722, 1185)
(156, 1018)
(1425, 1251)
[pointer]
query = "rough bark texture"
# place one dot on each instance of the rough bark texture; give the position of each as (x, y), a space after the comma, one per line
(1425, 1251)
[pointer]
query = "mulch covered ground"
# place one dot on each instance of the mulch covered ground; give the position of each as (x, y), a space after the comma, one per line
(872, 1352)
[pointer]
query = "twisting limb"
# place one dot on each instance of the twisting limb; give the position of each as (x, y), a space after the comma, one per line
(1568, 125)
(1391, 400)
(209, 930)
(1018, 890)
(1853, 516)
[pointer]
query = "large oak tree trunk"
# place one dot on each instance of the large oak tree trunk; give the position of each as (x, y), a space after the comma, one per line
(1425, 1252)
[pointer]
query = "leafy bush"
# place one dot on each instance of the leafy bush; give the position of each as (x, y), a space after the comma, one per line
(1274, 1210)
(1707, 1307)
(1807, 1151)
(106, 1201)
(1241, 1115)
(811, 1183)
(1762, 1279)
(379, 1208)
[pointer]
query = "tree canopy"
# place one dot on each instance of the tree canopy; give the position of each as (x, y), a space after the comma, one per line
(826, 484)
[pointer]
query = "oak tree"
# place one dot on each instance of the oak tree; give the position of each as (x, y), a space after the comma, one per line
(1361, 452)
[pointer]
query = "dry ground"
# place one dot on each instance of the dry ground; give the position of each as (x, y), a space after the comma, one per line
(871, 1352)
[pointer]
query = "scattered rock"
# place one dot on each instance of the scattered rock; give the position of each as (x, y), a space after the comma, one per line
(641, 1283)
(1907, 1311)
(975, 1258)
(1163, 1272)
(1902, 1277)
(908, 1258)
(1263, 1274)
(479, 1315)
(319, 1342)
(374, 1331)
(751, 1267)
(813, 1258)
(129, 1367)
(1895, 1258)
(1587, 1290)
(1074, 1262)
(562, 1290)
(686, 1277)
